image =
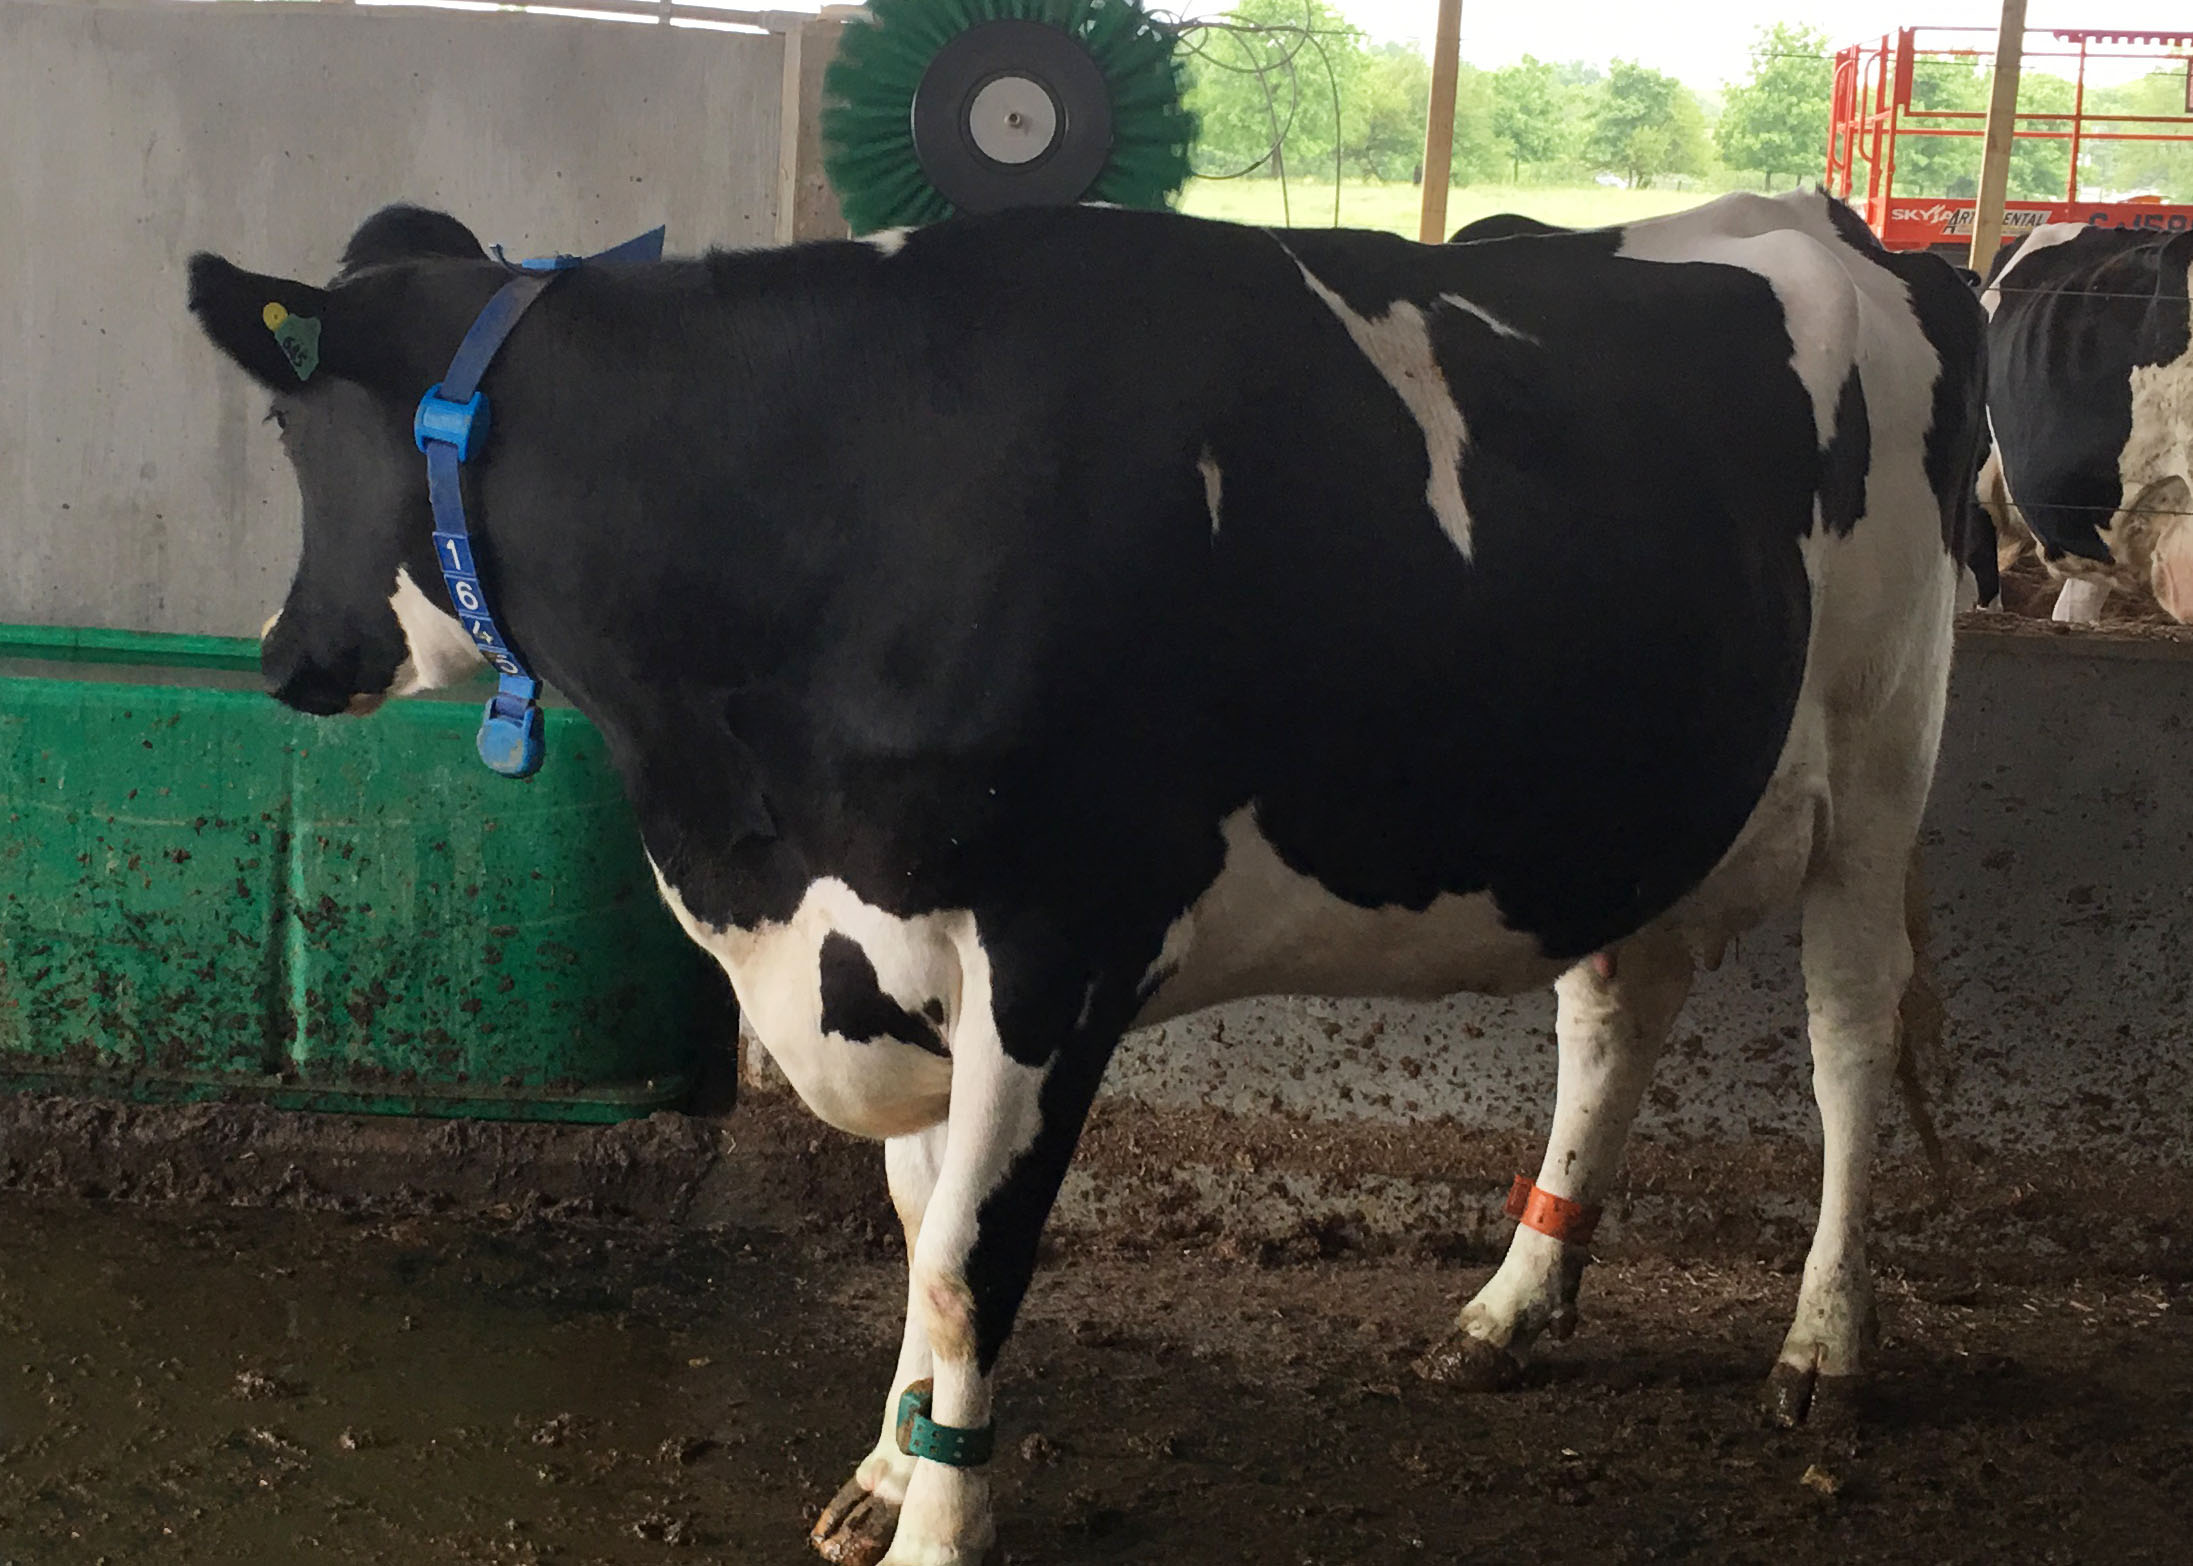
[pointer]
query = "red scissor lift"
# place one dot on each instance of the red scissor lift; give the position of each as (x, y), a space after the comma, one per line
(1872, 112)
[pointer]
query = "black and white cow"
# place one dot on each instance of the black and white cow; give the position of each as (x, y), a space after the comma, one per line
(2090, 399)
(1035, 626)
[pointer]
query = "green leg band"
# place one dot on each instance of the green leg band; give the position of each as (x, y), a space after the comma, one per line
(952, 1445)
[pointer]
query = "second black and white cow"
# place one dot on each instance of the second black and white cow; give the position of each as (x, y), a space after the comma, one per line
(2090, 399)
(1036, 626)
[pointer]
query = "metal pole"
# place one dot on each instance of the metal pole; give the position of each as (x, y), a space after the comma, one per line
(2078, 123)
(1431, 223)
(2002, 125)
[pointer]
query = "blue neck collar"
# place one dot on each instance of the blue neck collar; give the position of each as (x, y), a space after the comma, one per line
(451, 427)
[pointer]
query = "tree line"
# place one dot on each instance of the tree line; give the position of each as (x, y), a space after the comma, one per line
(1299, 91)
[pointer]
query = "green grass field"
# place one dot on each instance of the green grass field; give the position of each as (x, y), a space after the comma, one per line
(1364, 204)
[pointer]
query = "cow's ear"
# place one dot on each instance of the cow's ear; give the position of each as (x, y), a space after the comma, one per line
(271, 326)
(409, 233)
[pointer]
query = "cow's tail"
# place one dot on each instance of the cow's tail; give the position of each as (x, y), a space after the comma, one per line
(1919, 1022)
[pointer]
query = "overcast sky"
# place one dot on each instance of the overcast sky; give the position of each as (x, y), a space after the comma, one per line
(1704, 41)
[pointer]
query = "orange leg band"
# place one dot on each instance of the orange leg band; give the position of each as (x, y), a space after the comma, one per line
(1569, 1222)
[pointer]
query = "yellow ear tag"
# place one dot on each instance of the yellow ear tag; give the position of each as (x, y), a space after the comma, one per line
(298, 335)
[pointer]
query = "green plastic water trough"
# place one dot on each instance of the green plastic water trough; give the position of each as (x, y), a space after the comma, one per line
(206, 895)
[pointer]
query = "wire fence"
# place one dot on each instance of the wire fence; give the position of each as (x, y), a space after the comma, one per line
(2153, 296)
(1269, 52)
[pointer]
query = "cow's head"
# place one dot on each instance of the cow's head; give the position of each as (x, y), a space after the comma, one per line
(367, 616)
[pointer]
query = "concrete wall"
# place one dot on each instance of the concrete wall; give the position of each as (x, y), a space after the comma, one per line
(2059, 848)
(137, 485)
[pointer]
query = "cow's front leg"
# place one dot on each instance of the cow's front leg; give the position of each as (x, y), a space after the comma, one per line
(1015, 1118)
(1615, 1012)
(856, 1527)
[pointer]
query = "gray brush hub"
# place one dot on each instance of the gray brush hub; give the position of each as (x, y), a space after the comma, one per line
(1012, 114)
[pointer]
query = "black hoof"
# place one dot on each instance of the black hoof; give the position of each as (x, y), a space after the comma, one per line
(1471, 1365)
(1802, 1396)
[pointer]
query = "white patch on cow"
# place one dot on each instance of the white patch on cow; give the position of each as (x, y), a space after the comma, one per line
(888, 240)
(1992, 482)
(1207, 465)
(438, 652)
(1818, 293)
(1262, 928)
(1399, 346)
(2042, 238)
(1179, 937)
(1499, 327)
(2156, 470)
(873, 1088)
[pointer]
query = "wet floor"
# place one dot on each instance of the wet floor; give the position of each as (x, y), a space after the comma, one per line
(249, 1387)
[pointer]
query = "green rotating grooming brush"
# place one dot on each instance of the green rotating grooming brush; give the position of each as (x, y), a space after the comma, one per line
(941, 106)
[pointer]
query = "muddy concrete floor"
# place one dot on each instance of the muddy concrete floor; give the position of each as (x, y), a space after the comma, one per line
(245, 1387)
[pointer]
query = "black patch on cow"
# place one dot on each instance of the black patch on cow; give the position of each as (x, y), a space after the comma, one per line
(1846, 459)
(1851, 228)
(2072, 323)
(1587, 465)
(1955, 326)
(408, 233)
(1009, 1224)
(854, 1006)
(1502, 225)
(326, 648)
(1049, 1009)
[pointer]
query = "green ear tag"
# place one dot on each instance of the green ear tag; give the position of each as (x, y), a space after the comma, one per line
(299, 336)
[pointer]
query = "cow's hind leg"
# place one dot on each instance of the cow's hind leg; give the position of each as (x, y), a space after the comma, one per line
(855, 1529)
(1615, 1013)
(1858, 963)
(1861, 904)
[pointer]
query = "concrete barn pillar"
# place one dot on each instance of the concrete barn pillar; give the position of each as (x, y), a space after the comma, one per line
(807, 208)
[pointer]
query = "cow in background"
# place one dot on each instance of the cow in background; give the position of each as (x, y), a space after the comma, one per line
(1040, 625)
(2090, 404)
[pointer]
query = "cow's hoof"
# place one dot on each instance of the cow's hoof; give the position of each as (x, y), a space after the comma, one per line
(855, 1528)
(1800, 1395)
(1471, 1364)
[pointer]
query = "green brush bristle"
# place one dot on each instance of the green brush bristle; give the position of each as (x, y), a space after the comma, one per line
(867, 118)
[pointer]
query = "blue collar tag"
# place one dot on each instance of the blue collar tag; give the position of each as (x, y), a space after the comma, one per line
(510, 739)
(451, 428)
